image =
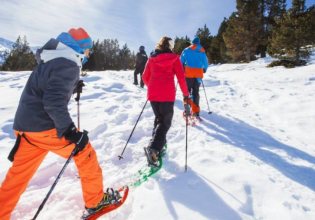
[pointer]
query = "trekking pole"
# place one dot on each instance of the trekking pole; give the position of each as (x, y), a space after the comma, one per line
(186, 142)
(210, 112)
(55, 183)
(78, 90)
(78, 109)
(120, 156)
(186, 114)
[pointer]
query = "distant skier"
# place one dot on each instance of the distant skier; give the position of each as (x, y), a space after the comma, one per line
(43, 124)
(141, 60)
(196, 63)
(158, 76)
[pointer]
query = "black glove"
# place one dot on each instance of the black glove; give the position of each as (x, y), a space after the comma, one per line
(80, 139)
(186, 105)
(78, 87)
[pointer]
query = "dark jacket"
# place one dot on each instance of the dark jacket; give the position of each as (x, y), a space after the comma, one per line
(43, 103)
(141, 59)
(159, 76)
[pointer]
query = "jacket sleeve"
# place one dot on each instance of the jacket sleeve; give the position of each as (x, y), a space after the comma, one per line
(147, 73)
(205, 62)
(180, 75)
(138, 60)
(56, 96)
(182, 58)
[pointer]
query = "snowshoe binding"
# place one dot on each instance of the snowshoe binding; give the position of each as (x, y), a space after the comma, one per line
(153, 156)
(111, 201)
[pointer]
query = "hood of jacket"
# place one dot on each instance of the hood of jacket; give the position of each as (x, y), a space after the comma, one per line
(55, 49)
(165, 58)
(197, 48)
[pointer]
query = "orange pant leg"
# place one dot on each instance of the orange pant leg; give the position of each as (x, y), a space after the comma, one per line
(26, 161)
(91, 176)
(29, 157)
(86, 161)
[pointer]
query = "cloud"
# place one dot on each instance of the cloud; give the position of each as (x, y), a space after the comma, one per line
(136, 23)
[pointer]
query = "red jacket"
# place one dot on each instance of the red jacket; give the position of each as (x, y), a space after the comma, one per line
(159, 76)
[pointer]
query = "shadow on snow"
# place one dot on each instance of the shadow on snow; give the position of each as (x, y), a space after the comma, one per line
(259, 143)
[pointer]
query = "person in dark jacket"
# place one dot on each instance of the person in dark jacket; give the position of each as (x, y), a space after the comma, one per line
(196, 63)
(43, 124)
(141, 60)
(163, 65)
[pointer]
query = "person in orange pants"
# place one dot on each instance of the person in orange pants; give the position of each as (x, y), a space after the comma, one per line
(42, 123)
(33, 148)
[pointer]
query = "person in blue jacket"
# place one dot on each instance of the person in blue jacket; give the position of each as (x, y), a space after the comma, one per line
(196, 64)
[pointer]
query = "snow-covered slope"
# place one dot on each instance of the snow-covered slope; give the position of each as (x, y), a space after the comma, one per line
(252, 159)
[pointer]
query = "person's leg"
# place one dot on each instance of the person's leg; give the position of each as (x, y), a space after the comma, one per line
(88, 167)
(157, 119)
(194, 89)
(164, 111)
(91, 176)
(155, 125)
(141, 81)
(135, 77)
(26, 161)
(190, 84)
(196, 97)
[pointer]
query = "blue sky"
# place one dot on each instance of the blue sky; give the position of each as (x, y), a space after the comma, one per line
(135, 22)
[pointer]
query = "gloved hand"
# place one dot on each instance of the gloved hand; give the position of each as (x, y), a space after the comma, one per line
(78, 87)
(80, 139)
(187, 105)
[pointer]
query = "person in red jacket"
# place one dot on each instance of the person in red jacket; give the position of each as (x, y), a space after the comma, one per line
(158, 76)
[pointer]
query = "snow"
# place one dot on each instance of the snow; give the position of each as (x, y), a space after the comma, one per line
(252, 159)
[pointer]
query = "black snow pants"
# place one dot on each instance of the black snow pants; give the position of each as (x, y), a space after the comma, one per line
(163, 112)
(135, 76)
(193, 87)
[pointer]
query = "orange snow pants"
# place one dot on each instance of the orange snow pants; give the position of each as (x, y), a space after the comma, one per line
(32, 150)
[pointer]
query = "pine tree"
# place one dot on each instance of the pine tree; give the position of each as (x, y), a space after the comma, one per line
(205, 37)
(108, 56)
(310, 28)
(243, 33)
(291, 34)
(268, 10)
(125, 58)
(217, 51)
(21, 57)
(180, 44)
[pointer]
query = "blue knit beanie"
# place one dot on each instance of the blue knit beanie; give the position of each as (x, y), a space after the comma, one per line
(196, 40)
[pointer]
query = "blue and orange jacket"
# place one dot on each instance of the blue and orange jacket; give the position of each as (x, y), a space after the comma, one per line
(195, 60)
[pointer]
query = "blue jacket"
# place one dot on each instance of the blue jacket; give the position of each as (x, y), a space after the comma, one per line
(195, 60)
